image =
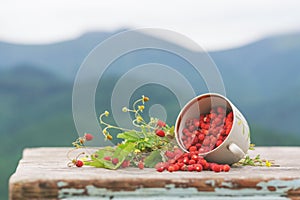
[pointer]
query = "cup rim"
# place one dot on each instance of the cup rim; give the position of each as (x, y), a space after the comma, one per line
(188, 105)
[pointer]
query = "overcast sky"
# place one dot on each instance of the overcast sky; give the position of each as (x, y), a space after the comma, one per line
(214, 24)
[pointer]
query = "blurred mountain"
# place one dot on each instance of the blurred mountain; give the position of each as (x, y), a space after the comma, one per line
(262, 79)
(63, 58)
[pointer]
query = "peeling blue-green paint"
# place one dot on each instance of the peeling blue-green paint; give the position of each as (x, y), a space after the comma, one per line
(281, 186)
(227, 184)
(212, 183)
(69, 192)
(61, 184)
(279, 190)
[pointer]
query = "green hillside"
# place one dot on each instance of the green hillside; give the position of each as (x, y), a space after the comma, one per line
(35, 111)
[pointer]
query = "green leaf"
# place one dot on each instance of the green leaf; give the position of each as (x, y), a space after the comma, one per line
(98, 157)
(171, 130)
(95, 163)
(130, 136)
(121, 152)
(153, 158)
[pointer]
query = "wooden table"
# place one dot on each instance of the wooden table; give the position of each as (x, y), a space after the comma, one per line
(43, 174)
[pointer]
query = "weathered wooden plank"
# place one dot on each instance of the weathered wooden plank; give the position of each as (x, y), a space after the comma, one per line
(43, 174)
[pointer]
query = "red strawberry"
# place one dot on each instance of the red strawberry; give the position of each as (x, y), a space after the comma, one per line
(141, 165)
(161, 123)
(160, 133)
(125, 163)
(108, 158)
(115, 161)
(88, 136)
(79, 163)
(226, 168)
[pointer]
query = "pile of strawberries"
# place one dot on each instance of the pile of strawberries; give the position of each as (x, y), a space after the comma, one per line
(209, 131)
(179, 161)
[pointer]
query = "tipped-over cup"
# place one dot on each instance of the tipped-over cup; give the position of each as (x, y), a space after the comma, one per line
(236, 140)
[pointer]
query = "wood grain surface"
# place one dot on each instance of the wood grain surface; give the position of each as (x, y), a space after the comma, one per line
(42, 173)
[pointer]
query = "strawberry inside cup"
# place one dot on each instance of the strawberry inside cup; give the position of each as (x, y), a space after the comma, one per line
(204, 124)
(207, 131)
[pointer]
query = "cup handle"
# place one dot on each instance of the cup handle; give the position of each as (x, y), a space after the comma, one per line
(236, 150)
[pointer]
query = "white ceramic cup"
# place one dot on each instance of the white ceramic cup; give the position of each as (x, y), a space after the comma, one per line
(236, 144)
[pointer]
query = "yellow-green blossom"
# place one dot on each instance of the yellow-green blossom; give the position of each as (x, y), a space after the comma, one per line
(268, 163)
(141, 108)
(124, 109)
(139, 119)
(137, 151)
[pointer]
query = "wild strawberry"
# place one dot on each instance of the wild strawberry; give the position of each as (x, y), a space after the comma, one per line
(190, 168)
(125, 163)
(192, 148)
(115, 161)
(230, 115)
(176, 167)
(194, 157)
(178, 152)
(211, 165)
(108, 158)
(79, 163)
(213, 115)
(170, 154)
(198, 145)
(88, 136)
(172, 161)
(217, 121)
(186, 160)
(185, 130)
(188, 122)
(197, 123)
(226, 168)
(198, 167)
(206, 166)
(219, 142)
(191, 162)
(191, 128)
(183, 168)
(161, 123)
(196, 132)
(141, 165)
(228, 131)
(202, 162)
(180, 164)
(205, 132)
(195, 140)
(201, 137)
(171, 168)
(160, 133)
(206, 119)
(221, 110)
(216, 168)
(160, 167)
(206, 142)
